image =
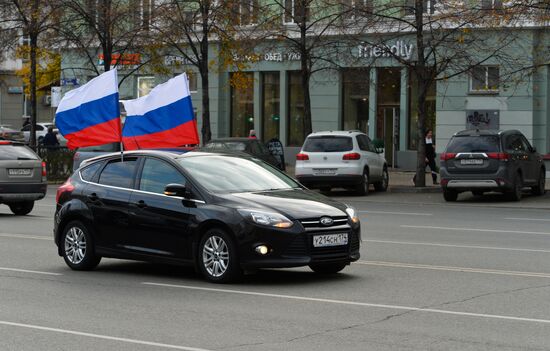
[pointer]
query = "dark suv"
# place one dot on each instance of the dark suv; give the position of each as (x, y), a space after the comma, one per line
(218, 212)
(490, 160)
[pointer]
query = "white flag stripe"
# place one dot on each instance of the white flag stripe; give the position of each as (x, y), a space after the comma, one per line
(163, 94)
(104, 85)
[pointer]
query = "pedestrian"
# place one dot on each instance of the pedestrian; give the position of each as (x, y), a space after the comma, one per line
(252, 134)
(50, 139)
(430, 156)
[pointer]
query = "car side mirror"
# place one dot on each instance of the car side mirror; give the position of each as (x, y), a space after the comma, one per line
(176, 190)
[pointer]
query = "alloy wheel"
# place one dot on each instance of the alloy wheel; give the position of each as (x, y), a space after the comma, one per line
(215, 256)
(75, 245)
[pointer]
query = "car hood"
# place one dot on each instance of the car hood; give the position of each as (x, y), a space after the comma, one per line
(293, 203)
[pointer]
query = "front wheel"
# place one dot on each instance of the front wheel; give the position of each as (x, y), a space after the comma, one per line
(328, 268)
(383, 184)
(77, 247)
(450, 195)
(21, 208)
(539, 189)
(218, 259)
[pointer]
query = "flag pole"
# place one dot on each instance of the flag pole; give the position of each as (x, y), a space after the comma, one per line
(121, 144)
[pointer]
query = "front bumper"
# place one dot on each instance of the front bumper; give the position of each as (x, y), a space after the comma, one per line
(18, 192)
(312, 181)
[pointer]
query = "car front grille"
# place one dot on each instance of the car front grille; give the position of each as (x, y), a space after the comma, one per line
(314, 224)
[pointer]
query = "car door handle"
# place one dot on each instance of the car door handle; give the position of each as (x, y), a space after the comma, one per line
(141, 204)
(93, 197)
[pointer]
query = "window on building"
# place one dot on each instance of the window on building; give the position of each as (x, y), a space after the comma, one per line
(193, 81)
(143, 11)
(296, 11)
(484, 79)
(145, 85)
(429, 7)
(296, 110)
(242, 108)
(248, 11)
(491, 4)
(355, 104)
(271, 105)
(358, 8)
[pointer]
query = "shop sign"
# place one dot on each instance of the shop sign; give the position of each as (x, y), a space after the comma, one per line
(69, 81)
(276, 56)
(399, 49)
(173, 60)
(121, 59)
(482, 119)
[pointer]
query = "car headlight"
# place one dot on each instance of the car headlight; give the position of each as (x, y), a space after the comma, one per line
(353, 215)
(271, 219)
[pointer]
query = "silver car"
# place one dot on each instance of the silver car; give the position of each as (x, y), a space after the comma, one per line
(22, 177)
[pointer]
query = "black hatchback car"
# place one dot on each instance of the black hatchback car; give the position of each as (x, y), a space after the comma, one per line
(221, 213)
(491, 160)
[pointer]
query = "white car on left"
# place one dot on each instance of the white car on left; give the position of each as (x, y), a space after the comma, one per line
(41, 131)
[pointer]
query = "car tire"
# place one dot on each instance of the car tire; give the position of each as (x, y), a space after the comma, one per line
(450, 195)
(515, 193)
(477, 192)
(217, 256)
(539, 189)
(77, 247)
(363, 188)
(21, 208)
(383, 184)
(328, 268)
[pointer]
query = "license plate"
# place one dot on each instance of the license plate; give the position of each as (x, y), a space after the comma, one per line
(19, 171)
(324, 171)
(330, 240)
(471, 162)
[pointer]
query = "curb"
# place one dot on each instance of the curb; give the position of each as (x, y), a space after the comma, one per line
(412, 189)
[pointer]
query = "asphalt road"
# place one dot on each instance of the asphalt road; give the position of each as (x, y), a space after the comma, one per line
(474, 275)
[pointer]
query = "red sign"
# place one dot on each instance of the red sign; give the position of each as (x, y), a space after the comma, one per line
(122, 59)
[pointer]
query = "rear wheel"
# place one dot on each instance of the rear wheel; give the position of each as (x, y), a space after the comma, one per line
(363, 188)
(383, 184)
(515, 193)
(77, 247)
(328, 268)
(21, 208)
(539, 189)
(218, 259)
(450, 195)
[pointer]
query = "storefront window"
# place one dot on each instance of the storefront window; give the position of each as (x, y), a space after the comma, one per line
(413, 111)
(355, 104)
(295, 110)
(270, 105)
(145, 85)
(242, 109)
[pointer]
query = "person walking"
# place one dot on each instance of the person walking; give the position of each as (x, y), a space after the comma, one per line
(430, 156)
(252, 134)
(50, 139)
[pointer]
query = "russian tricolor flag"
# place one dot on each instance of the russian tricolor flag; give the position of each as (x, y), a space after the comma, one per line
(90, 115)
(163, 118)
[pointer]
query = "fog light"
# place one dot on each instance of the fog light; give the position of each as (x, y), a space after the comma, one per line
(262, 249)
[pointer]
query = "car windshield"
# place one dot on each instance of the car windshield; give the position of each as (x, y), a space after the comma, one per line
(484, 143)
(16, 152)
(328, 143)
(228, 174)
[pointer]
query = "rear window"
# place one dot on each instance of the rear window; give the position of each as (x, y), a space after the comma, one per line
(328, 144)
(16, 152)
(101, 148)
(484, 143)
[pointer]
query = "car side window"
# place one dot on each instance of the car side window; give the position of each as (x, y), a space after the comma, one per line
(514, 143)
(156, 174)
(363, 143)
(371, 145)
(119, 174)
(526, 144)
(39, 127)
(88, 173)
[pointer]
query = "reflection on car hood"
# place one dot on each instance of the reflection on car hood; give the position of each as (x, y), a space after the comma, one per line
(294, 203)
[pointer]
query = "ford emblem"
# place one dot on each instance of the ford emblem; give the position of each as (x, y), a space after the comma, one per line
(326, 221)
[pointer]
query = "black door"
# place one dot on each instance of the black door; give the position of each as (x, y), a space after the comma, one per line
(108, 201)
(533, 166)
(158, 222)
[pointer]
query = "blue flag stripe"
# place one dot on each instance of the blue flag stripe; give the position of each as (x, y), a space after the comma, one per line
(88, 114)
(161, 119)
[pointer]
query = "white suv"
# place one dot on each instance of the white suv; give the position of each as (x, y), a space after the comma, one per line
(346, 159)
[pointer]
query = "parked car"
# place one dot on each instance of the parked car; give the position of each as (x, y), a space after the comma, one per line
(41, 131)
(216, 211)
(8, 133)
(491, 160)
(346, 159)
(85, 153)
(22, 177)
(250, 146)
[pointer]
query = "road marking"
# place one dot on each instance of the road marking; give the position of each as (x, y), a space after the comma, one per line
(23, 236)
(352, 303)
(458, 246)
(528, 219)
(27, 271)
(99, 336)
(398, 213)
(454, 269)
(474, 229)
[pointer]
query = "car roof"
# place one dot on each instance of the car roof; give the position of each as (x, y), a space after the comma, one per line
(482, 132)
(336, 132)
(170, 152)
(239, 139)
